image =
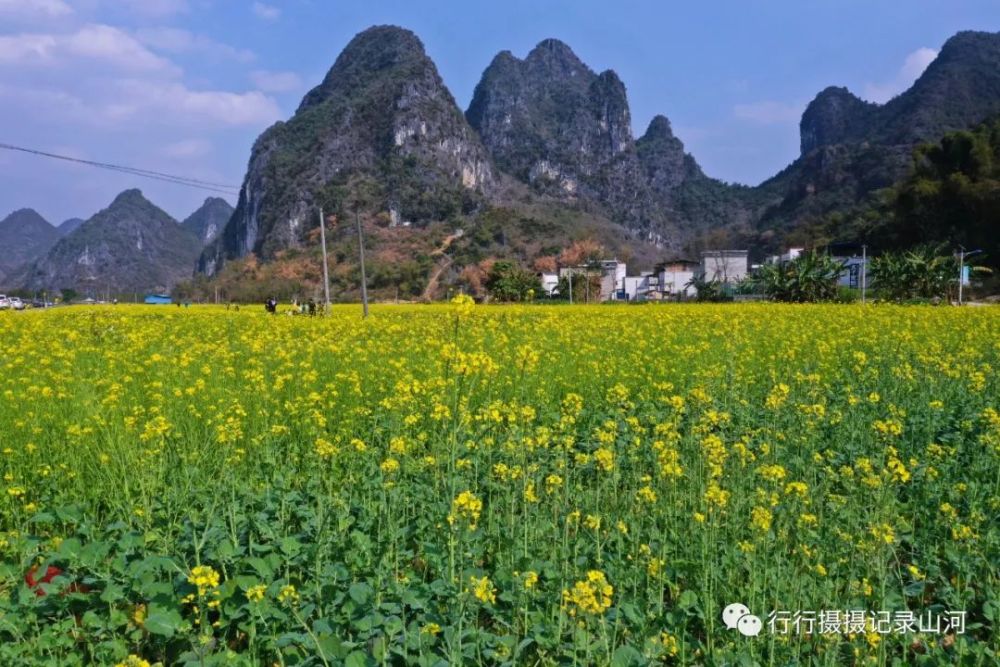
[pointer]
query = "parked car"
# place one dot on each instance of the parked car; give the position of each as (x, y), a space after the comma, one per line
(4, 302)
(16, 303)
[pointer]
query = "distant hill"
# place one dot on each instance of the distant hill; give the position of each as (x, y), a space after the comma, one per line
(130, 246)
(69, 226)
(209, 219)
(24, 236)
(851, 148)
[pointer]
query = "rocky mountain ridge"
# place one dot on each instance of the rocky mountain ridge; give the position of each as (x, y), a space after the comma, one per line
(381, 128)
(209, 220)
(130, 246)
(851, 148)
(24, 236)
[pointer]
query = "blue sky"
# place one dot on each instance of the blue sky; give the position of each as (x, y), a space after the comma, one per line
(185, 86)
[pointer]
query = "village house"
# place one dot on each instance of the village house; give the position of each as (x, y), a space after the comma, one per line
(669, 280)
(725, 266)
(674, 278)
(612, 274)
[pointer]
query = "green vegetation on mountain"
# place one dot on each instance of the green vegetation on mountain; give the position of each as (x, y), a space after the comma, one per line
(209, 220)
(852, 148)
(951, 196)
(130, 246)
(24, 236)
(382, 113)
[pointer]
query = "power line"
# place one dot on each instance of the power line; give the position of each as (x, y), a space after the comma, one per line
(223, 188)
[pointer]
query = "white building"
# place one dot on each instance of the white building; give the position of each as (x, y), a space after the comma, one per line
(611, 271)
(550, 281)
(788, 256)
(726, 266)
(639, 288)
(674, 278)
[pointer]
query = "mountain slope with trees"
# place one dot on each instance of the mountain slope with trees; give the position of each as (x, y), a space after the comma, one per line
(24, 236)
(130, 246)
(852, 148)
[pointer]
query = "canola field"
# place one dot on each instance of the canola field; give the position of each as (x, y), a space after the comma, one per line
(461, 485)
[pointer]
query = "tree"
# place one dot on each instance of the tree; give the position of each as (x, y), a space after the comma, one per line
(584, 284)
(581, 252)
(508, 281)
(925, 272)
(708, 290)
(951, 196)
(810, 277)
(68, 294)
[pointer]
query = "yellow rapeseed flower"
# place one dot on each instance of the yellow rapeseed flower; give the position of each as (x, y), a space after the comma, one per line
(589, 596)
(204, 578)
(483, 589)
(133, 661)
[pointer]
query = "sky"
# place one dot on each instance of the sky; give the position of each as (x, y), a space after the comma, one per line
(185, 86)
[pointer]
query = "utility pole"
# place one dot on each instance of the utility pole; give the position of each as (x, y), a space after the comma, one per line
(361, 254)
(864, 272)
(961, 269)
(570, 274)
(326, 266)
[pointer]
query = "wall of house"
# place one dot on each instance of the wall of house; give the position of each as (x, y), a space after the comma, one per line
(676, 282)
(725, 267)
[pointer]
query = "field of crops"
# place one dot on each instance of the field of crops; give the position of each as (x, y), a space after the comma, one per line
(464, 484)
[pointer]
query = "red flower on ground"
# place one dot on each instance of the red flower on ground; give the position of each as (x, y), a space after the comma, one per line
(31, 578)
(51, 572)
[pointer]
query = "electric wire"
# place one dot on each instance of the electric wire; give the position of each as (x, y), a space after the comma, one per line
(223, 188)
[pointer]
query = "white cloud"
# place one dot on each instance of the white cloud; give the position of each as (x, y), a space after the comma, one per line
(45, 102)
(98, 43)
(188, 148)
(276, 82)
(175, 103)
(913, 66)
(152, 8)
(140, 103)
(266, 12)
(769, 112)
(35, 8)
(177, 40)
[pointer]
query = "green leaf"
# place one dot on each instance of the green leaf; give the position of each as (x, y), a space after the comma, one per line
(290, 546)
(358, 659)
(625, 656)
(262, 567)
(687, 600)
(70, 548)
(112, 593)
(360, 592)
(163, 621)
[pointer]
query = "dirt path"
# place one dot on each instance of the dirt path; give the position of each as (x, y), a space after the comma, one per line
(442, 266)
